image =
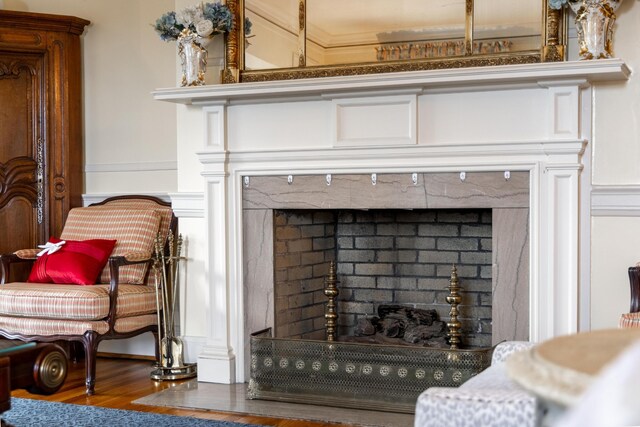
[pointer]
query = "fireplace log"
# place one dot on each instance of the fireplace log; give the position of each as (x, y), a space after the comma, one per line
(420, 333)
(412, 315)
(399, 324)
(393, 327)
(366, 326)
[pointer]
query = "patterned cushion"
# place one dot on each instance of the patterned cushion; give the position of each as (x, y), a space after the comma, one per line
(506, 348)
(130, 324)
(165, 211)
(134, 229)
(450, 407)
(629, 320)
(51, 301)
(490, 398)
(47, 327)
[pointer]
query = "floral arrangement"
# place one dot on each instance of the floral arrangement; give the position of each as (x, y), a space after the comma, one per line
(204, 19)
(247, 26)
(557, 4)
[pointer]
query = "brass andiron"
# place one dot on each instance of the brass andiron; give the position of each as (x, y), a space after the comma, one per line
(454, 299)
(331, 291)
(166, 271)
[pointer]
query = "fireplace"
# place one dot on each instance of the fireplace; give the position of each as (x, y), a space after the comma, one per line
(258, 145)
(394, 267)
(426, 223)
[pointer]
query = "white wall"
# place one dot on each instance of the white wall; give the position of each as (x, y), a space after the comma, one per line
(130, 140)
(615, 242)
(614, 248)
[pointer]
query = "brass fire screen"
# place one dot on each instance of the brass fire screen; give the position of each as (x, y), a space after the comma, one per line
(366, 376)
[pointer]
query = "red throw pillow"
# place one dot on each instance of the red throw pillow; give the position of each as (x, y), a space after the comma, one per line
(76, 262)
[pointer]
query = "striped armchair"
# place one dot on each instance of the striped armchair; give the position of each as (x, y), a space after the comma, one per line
(632, 319)
(123, 302)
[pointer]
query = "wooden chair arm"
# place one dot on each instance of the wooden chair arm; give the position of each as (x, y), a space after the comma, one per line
(115, 262)
(5, 265)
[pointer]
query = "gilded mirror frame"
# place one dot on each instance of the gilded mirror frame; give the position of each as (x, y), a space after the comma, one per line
(554, 35)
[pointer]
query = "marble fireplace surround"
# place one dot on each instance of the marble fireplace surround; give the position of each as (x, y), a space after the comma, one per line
(533, 121)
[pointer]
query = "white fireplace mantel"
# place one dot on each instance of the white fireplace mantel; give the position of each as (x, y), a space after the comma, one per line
(456, 79)
(534, 118)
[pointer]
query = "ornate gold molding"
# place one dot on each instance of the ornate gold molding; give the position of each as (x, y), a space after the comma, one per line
(552, 49)
(388, 67)
(555, 29)
(233, 59)
(302, 33)
(468, 28)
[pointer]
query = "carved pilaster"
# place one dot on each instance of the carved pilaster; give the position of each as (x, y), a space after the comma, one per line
(554, 47)
(232, 59)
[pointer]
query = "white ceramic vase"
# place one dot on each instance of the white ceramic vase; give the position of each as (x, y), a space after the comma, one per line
(594, 24)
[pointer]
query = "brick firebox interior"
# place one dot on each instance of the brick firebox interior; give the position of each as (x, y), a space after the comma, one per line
(383, 257)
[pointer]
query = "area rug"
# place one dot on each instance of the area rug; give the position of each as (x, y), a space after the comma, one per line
(29, 412)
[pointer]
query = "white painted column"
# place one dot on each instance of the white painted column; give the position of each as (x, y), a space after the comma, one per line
(216, 361)
(556, 302)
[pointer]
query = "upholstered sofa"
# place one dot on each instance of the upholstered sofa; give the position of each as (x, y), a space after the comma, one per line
(488, 399)
(123, 301)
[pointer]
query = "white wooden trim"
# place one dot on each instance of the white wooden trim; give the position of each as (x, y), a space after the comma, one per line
(131, 167)
(188, 205)
(615, 200)
(454, 79)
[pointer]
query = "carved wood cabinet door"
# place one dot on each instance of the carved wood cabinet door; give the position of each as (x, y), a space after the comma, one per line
(23, 219)
(41, 156)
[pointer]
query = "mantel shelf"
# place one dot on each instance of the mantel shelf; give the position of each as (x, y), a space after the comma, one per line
(449, 80)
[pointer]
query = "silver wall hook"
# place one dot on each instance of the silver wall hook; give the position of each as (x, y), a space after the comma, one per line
(290, 179)
(246, 181)
(328, 178)
(507, 175)
(374, 178)
(414, 178)
(463, 176)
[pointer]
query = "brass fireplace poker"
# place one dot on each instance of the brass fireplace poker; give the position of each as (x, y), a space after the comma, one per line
(454, 299)
(331, 291)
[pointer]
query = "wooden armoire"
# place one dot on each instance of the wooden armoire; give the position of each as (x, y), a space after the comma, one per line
(41, 156)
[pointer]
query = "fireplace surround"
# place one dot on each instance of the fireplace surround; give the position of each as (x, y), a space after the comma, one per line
(506, 197)
(532, 121)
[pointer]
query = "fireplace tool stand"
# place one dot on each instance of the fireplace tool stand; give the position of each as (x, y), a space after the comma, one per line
(166, 271)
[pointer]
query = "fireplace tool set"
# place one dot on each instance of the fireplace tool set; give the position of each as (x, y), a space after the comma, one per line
(166, 271)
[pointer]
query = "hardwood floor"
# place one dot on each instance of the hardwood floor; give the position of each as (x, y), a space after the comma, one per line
(121, 381)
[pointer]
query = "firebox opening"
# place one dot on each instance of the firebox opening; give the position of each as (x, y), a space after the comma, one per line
(384, 257)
